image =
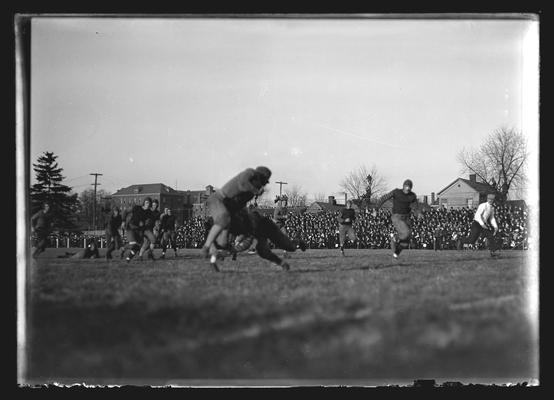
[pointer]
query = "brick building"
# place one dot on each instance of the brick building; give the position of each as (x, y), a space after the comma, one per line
(168, 197)
(196, 201)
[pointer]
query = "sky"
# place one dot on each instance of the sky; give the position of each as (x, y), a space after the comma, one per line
(191, 102)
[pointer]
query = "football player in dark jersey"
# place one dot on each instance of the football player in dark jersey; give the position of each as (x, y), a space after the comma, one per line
(280, 216)
(346, 219)
(167, 230)
(403, 202)
(229, 200)
(41, 224)
(151, 230)
(248, 225)
(134, 221)
(113, 237)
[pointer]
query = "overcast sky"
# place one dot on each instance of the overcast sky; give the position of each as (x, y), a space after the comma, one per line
(191, 102)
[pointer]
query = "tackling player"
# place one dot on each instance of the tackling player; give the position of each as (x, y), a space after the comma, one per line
(228, 201)
(250, 225)
(403, 200)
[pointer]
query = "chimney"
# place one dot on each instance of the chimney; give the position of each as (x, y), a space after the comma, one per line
(432, 197)
(425, 199)
(331, 199)
(209, 189)
(473, 178)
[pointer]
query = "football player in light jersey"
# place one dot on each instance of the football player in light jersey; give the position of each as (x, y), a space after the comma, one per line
(484, 223)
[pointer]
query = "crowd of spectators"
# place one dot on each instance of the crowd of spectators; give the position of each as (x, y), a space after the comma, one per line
(438, 229)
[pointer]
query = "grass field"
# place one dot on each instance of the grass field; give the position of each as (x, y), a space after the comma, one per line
(362, 319)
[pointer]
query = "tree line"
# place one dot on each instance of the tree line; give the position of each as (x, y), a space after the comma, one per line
(499, 162)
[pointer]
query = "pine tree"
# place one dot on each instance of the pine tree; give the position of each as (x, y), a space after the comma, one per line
(49, 188)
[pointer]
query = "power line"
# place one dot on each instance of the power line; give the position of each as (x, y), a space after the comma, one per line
(281, 186)
(94, 201)
(73, 179)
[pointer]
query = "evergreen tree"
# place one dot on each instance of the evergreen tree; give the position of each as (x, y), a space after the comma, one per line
(49, 188)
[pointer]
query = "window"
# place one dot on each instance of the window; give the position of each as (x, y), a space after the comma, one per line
(470, 203)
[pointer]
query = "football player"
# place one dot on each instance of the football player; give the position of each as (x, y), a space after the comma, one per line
(484, 223)
(113, 237)
(250, 225)
(229, 200)
(151, 230)
(134, 222)
(346, 219)
(167, 230)
(41, 224)
(280, 216)
(403, 202)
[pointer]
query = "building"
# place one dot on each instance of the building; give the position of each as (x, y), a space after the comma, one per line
(196, 201)
(321, 206)
(464, 193)
(129, 196)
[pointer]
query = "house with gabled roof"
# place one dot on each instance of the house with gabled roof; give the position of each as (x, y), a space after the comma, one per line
(321, 206)
(460, 193)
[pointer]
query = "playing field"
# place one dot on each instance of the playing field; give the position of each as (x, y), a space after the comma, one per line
(363, 319)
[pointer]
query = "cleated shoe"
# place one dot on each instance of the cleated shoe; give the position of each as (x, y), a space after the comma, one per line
(205, 252)
(213, 263)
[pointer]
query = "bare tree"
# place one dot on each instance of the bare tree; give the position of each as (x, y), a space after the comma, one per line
(264, 200)
(500, 161)
(85, 213)
(364, 183)
(296, 196)
(322, 197)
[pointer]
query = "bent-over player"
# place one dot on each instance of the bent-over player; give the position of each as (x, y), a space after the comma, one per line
(484, 223)
(250, 225)
(228, 201)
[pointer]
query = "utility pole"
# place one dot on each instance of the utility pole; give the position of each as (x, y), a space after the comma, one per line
(94, 201)
(281, 186)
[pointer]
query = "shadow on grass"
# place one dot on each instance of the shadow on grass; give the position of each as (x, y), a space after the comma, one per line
(467, 259)
(310, 271)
